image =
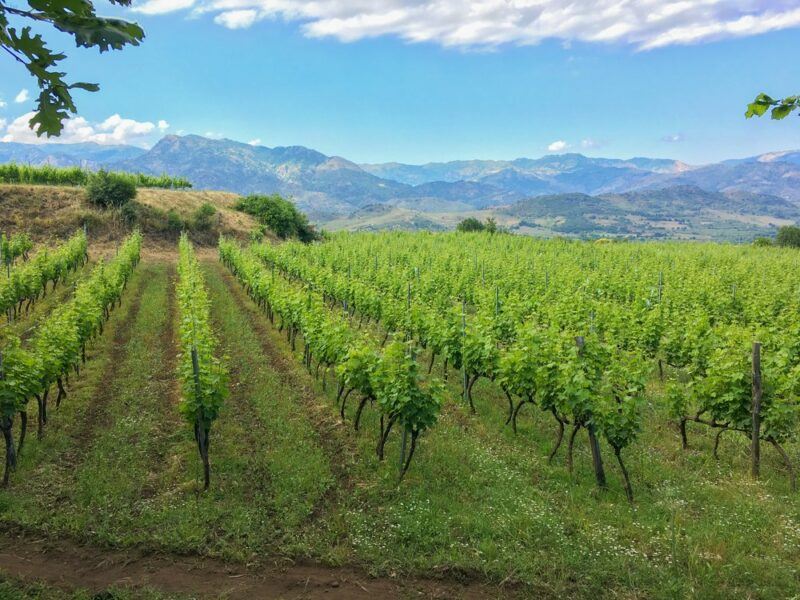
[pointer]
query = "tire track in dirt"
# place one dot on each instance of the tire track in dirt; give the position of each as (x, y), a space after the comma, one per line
(169, 423)
(243, 414)
(69, 566)
(96, 414)
(340, 450)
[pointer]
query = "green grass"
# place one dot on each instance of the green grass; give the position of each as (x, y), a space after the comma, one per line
(11, 589)
(478, 503)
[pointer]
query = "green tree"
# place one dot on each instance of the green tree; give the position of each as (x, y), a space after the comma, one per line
(470, 224)
(779, 109)
(76, 18)
(279, 215)
(788, 235)
(110, 189)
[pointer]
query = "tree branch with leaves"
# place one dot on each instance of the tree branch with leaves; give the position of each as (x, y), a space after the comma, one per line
(73, 17)
(779, 109)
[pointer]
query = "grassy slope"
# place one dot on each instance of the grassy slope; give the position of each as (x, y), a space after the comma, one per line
(50, 212)
(118, 466)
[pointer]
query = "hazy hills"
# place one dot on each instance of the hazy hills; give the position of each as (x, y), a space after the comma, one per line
(566, 193)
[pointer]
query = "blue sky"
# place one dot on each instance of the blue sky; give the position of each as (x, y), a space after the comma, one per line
(357, 84)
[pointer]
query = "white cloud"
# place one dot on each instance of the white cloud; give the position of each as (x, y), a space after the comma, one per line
(558, 146)
(114, 130)
(22, 96)
(644, 24)
(214, 135)
(2, 104)
(255, 142)
(673, 138)
(3, 124)
(158, 7)
(163, 125)
(236, 19)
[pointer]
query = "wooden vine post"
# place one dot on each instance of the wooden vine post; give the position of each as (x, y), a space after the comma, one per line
(594, 442)
(465, 380)
(404, 443)
(757, 393)
(200, 429)
(6, 424)
(660, 285)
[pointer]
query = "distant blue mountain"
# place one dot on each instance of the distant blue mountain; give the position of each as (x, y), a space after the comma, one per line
(67, 155)
(329, 186)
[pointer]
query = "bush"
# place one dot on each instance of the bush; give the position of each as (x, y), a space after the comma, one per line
(110, 190)
(788, 235)
(470, 224)
(174, 221)
(763, 242)
(279, 215)
(202, 219)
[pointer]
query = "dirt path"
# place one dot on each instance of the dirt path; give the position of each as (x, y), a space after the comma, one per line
(68, 566)
(96, 416)
(339, 448)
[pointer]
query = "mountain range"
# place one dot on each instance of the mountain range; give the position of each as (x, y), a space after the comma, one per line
(332, 188)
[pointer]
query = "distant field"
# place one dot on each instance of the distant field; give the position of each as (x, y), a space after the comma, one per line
(720, 226)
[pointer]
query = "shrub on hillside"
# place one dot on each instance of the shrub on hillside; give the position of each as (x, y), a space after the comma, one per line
(279, 215)
(788, 235)
(203, 217)
(762, 242)
(470, 224)
(110, 190)
(174, 222)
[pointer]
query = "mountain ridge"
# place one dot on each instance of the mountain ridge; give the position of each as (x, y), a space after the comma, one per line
(332, 187)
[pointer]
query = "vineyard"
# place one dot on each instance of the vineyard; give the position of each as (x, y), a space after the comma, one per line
(472, 414)
(50, 175)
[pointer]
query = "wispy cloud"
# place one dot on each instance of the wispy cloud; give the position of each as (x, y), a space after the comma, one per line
(255, 142)
(645, 24)
(592, 144)
(114, 130)
(158, 7)
(22, 96)
(673, 138)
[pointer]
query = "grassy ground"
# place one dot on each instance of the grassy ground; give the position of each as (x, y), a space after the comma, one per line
(11, 589)
(119, 467)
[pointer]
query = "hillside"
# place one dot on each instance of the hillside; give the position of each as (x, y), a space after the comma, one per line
(48, 212)
(329, 188)
(684, 212)
(563, 194)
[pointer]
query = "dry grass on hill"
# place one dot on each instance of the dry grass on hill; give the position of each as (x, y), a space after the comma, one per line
(50, 212)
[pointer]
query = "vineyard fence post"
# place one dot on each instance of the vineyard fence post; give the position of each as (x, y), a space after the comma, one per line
(464, 347)
(757, 392)
(594, 442)
(200, 428)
